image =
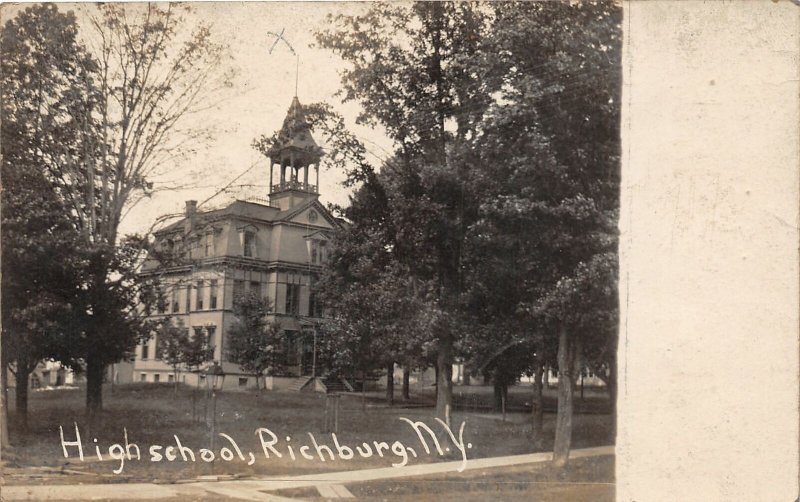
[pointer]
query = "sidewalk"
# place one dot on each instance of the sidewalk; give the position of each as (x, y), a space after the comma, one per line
(255, 489)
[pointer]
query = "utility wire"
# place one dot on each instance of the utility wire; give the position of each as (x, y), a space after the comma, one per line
(254, 164)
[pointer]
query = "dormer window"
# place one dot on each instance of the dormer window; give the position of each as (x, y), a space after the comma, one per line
(179, 248)
(168, 246)
(208, 243)
(249, 246)
(247, 238)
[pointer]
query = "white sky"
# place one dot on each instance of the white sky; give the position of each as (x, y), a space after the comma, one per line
(263, 90)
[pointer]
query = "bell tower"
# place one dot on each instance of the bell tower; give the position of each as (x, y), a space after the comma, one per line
(295, 153)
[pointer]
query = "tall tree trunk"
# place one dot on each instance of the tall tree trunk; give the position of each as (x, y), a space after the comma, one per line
(406, 383)
(567, 358)
(3, 402)
(363, 394)
(22, 378)
(175, 373)
(390, 384)
(94, 386)
(436, 387)
(537, 403)
(444, 382)
(499, 385)
(194, 404)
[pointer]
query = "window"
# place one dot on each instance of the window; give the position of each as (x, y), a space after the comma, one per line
(292, 298)
(200, 293)
(314, 308)
(161, 301)
(188, 246)
(156, 378)
(171, 378)
(209, 245)
(145, 350)
(198, 332)
(255, 288)
(157, 352)
(212, 302)
(176, 306)
(210, 332)
(317, 252)
(143, 377)
(242, 382)
(249, 244)
(238, 289)
(188, 298)
(179, 249)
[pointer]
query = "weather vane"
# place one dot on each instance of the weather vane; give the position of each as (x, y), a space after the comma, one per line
(280, 38)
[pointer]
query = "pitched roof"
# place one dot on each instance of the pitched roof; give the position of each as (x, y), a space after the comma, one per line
(253, 210)
(295, 138)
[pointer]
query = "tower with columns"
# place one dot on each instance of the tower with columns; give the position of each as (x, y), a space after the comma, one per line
(294, 153)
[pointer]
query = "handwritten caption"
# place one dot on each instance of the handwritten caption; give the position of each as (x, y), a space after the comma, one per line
(270, 446)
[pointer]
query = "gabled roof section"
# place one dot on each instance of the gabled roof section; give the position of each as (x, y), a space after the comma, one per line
(296, 214)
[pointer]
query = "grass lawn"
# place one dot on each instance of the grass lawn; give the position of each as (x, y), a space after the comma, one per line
(584, 480)
(153, 415)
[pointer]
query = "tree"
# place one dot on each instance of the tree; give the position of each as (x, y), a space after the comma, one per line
(172, 341)
(44, 262)
(179, 349)
(39, 282)
(505, 184)
(375, 324)
(254, 343)
(196, 351)
(560, 82)
(147, 74)
(411, 72)
(380, 314)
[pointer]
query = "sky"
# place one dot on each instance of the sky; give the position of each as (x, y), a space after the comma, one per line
(258, 102)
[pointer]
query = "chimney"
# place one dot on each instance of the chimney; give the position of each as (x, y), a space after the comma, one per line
(191, 207)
